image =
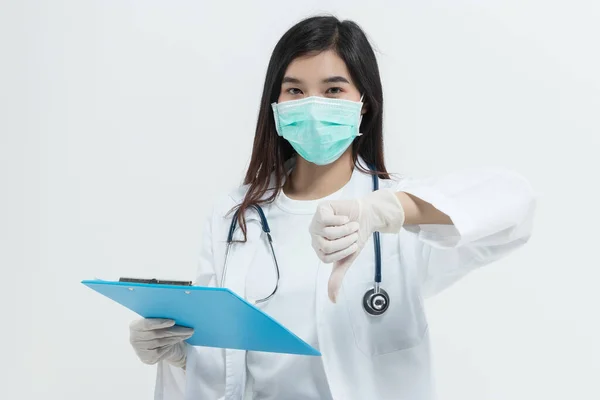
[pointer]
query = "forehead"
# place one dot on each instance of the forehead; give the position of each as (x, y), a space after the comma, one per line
(317, 66)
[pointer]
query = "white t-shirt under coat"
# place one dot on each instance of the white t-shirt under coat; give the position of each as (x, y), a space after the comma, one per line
(274, 376)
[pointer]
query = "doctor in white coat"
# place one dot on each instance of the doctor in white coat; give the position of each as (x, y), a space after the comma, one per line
(318, 142)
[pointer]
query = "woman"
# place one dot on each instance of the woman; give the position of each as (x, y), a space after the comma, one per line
(319, 132)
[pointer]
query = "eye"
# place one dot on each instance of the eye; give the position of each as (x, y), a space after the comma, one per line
(294, 91)
(334, 90)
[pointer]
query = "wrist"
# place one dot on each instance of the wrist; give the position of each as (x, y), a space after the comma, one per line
(178, 358)
(388, 211)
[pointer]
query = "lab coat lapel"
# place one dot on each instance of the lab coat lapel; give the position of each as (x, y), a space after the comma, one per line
(240, 258)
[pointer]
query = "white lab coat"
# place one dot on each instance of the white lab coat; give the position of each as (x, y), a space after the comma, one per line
(365, 357)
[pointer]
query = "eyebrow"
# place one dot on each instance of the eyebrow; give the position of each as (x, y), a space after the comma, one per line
(336, 79)
(289, 79)
(331, 79)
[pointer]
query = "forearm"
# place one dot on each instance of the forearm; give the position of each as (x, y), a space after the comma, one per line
(419, 212)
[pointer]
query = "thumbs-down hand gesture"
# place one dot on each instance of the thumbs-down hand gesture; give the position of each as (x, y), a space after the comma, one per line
(340, 229)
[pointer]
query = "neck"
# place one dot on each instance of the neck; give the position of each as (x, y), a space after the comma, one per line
(311, 182)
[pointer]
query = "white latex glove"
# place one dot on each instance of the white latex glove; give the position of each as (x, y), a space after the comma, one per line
(158, 339)
(340, 229)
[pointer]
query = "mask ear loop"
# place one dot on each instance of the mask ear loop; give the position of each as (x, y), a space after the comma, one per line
(361, 115)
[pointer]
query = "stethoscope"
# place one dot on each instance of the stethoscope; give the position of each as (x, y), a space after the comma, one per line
(375, 301)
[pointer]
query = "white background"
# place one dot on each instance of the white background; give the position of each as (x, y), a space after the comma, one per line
(122, 121)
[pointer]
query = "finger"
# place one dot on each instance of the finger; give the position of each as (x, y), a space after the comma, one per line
(179, 330)
(336, 232)
(333, 246)
(337, 275)
(337, 256)
(174, 331)
(325, 216)
(152, 356)
(349, 208)
(147, 324)
(159, 342)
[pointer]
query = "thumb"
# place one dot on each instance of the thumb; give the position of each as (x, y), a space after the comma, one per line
(337, 275)
(348, 208)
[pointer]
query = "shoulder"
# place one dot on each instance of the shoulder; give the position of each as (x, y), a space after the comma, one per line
(225, 202)
(395, 181)
(390, 183)
(228, 200)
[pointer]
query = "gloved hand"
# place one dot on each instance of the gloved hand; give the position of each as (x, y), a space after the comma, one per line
(158, 339)
(340, 229)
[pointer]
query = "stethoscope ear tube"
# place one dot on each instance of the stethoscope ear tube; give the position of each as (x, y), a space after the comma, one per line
(377, 249)
(376, 300)
(263, 222)
(267, 230)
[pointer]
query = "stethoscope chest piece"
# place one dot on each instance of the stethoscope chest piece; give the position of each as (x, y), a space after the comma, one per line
(376, 303)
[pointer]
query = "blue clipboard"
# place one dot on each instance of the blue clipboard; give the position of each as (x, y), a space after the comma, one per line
(220, 317)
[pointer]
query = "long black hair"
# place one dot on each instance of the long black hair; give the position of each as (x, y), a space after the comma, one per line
(270, 151)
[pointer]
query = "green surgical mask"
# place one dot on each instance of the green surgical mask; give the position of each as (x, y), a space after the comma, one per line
(320, 129)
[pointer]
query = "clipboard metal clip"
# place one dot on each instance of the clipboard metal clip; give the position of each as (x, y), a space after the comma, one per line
(156, 281)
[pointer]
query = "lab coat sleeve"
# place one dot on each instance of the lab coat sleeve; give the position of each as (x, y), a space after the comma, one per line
(171, 380)
(492, 213)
